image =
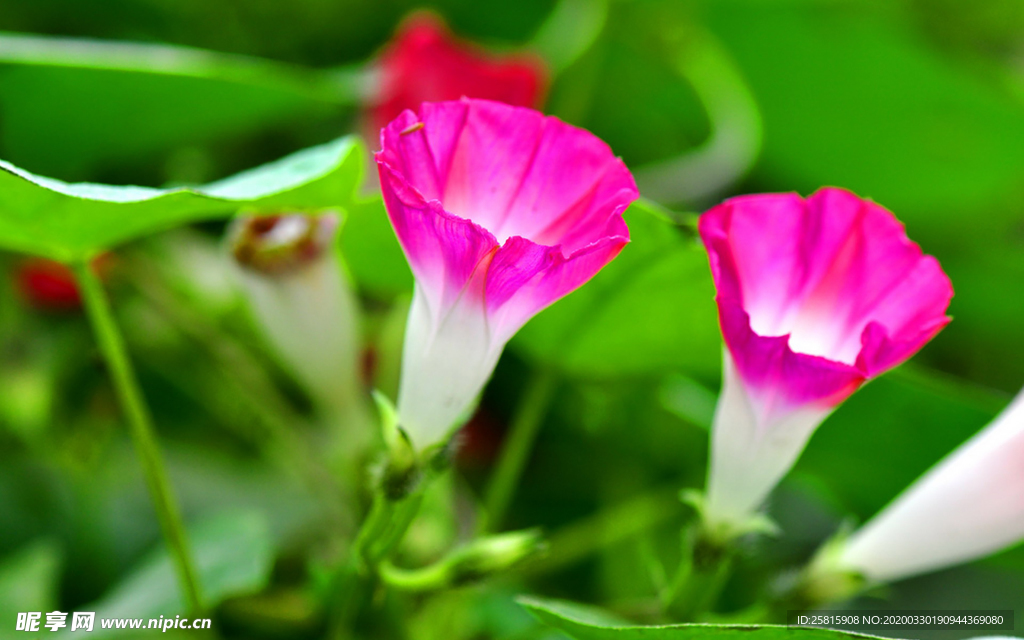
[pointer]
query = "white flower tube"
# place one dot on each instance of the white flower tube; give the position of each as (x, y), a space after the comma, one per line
(968, 506)
(301, 300)
(749, 455)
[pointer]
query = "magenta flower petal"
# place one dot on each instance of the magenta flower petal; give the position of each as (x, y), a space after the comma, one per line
(833, 278)
(443, 250)
(815, 296)
(501, 211)
(525, 277)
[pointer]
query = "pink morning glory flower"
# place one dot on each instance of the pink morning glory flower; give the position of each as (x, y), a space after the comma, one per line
(815, 296)
(501, 211)
(969, 505)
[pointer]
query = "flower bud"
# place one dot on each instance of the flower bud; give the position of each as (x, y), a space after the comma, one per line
(301, 299)
(478, 560)
(51, 286)
(493, 554)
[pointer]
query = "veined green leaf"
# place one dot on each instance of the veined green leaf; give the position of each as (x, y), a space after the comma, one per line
(586, 623)
(69, 222)
(72, 104)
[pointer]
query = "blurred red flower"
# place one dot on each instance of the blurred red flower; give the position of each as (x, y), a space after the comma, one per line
(48, 285)
(426, 63)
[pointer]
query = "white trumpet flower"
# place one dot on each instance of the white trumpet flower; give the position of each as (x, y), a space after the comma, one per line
(300, 298)
(968, 506)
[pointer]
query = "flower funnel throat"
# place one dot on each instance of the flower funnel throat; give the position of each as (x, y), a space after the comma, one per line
(501, 211)
(815, 296)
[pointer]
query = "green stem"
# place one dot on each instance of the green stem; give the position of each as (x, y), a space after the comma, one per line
(702, 575)
(615, 524)
(514, 454)
(734, 142)
(427, 578)
(384, 529)
(570, 30)
(111, 345)
(380, 533)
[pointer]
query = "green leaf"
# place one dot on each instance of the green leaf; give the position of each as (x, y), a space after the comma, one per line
(70, 222)
(650, 310)
(857, 101)
(234, 556)
(71, 105)
(28, 582)
(587, 623)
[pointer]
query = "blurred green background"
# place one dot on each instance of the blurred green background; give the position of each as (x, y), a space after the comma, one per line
(918, 104)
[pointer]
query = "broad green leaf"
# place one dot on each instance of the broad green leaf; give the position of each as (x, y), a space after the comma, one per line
(651, 309)
(73, 105)
(234, 556)
(587, 623)
(860, 102)
(70, 222)
(28, 582)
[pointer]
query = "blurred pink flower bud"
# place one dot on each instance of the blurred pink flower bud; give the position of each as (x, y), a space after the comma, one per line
(501, 211)
(815, 296)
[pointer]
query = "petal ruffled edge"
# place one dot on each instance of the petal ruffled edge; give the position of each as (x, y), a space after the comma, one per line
(518, 278)
(879, 351)
(778, 378)
(446, 252)
(524, 278)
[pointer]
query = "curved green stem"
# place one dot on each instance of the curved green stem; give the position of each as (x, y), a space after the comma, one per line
(736, 129)
(519, 443)
(479, 559)
(381, 531)
(569, 31)
(384, 529)
(140, 424)
(434, 576)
